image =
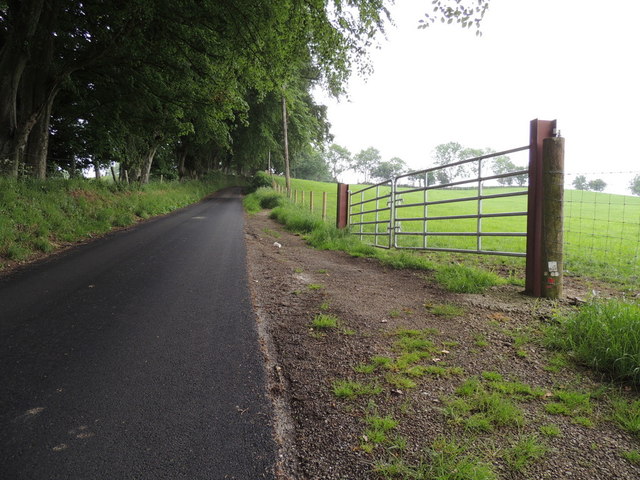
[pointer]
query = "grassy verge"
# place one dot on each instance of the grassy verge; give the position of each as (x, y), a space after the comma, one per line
(604, 335)
(324, 236)
(38, 216)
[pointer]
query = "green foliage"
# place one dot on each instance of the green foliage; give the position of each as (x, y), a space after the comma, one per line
(324, 321)
(446, 310)
(347, 389)
(260, 180)
(632, 455)
(580, 182)
(449, 460)
(403, 259)
(338, 159)
(479, 409)
(388, 169)
(634, 185)
(627, 415)
(570, 403)
(463, 279)
(377, 432)
(526, 451)
(399, 381)
(445, 459)
(550, 430)
(604, 334)
(365, 161)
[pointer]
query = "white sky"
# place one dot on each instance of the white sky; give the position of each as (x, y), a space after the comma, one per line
(571, 60)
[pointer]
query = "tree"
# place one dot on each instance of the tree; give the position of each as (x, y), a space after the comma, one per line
(453, 152)
(420, 179)
(580, 183)
(365, 161)
(502, 165)
(338, 159)
(310, 165)
(634, 186)
(466, 14)
(597, 185)
(389, 169)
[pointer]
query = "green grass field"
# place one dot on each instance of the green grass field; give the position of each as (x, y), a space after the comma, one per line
(602, 231)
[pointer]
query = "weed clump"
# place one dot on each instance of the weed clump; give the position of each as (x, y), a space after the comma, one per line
(603, 334)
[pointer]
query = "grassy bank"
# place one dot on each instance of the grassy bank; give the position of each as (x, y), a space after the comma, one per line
(39, 216)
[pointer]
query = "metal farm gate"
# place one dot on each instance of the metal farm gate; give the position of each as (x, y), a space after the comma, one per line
(393, 214)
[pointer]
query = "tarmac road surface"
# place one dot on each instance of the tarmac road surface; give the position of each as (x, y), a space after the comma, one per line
(136, 356)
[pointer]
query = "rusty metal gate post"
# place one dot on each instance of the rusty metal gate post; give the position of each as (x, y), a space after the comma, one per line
(540, 129)
(342, 214)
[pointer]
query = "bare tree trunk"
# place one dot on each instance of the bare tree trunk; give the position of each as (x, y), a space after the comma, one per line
(38, 144)
(181, 153)
(14, 56)
(146, 165)
(287, 175)
(96, 168)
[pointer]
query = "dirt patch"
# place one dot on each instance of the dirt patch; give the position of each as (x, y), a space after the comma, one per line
(323, 436)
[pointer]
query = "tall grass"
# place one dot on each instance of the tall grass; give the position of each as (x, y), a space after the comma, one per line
(604, 334)
(325, 236)
(38, 216)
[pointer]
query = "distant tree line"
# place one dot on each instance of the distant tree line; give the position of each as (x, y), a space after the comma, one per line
(596, 185)
(331, 163)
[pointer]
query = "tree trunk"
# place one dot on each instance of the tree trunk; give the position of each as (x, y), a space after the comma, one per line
(287, 175)
(24, 20)
(181, 152)
(38, 144)
(146, 164)
(96, 168)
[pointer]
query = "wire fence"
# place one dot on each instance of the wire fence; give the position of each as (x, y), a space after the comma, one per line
(602, 230)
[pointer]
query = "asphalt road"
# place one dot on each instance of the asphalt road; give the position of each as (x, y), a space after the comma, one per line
(136, 357)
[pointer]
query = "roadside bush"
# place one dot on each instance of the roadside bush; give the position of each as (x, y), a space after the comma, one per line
(263, 198)
(260, 180)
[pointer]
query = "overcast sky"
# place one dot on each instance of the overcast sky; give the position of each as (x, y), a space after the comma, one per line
(571, 60)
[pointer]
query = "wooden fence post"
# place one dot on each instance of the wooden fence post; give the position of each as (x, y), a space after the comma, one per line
(311, 201)
(552, 215)
(324, 205)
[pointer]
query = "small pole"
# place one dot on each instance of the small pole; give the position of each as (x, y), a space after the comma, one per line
(311, 201)
(295, 196)
(161, 177)
(113, 174)
(302, 197)
(552, 212)
(324, 205)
